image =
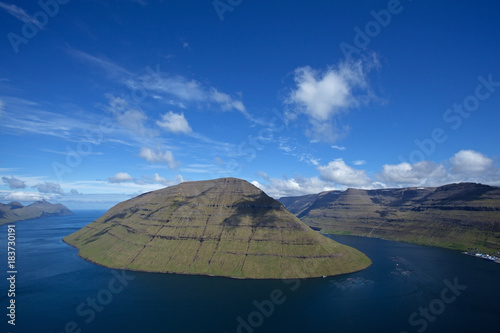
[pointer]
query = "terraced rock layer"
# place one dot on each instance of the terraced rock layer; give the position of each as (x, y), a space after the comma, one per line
(223, 227)
(455, 216)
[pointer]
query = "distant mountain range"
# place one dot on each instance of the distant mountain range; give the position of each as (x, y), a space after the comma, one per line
(16, 211)
(455, 216)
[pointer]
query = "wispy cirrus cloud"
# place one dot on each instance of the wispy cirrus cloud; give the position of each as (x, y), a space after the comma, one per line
(130, 118)
(124, 125)
(61, 152)
(21, 115)
(226, 102)
(31, 118)
(178, 86)
(1, 108)
(19, 14)
(159, 85)
(112, 70)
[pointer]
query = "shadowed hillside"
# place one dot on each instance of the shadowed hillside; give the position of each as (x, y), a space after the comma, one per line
(456, 216)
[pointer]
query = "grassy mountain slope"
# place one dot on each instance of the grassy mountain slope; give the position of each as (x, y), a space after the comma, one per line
(456, 216)
(223, 227)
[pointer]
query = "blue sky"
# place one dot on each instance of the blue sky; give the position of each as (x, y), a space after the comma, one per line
(103, 100)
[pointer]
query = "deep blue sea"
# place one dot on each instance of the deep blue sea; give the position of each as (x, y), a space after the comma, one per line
(408, 288)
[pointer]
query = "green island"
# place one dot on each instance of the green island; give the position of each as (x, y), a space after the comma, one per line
(223, 227)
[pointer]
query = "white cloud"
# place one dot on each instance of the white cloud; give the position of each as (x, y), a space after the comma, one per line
(160, 180)
(23, 196)
(297, 186)
(20, 14)
(472, 166)
(157, 179)
(48, 187)
(320, 95)
(323, 95)
(65, 153)
(14, 183)
(151, 156)
(121, 177)
(423, 173)
(123, 183)
(176, 85)
(338, 147)
(359, 162)
(286, 149)
(132, 119)
(339, 172)
(308, 159)
(464, 166)
(27, 116)
(113, 70)
(227, 103)
(184, 43)
(295, 149)
(470, 162)
(175, 123)
(263, 175)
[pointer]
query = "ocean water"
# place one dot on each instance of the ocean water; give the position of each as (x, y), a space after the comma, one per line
(408, 288)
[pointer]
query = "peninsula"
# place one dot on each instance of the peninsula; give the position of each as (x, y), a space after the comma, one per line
(16, 211)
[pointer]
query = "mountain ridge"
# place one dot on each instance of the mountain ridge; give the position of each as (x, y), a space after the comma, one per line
(456, 216)
(15, 211)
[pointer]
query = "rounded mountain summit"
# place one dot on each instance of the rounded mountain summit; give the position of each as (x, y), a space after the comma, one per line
(222, 227)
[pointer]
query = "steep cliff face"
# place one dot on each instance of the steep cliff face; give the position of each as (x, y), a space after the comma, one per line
(224, 227)
(16, 211)
(455, 216)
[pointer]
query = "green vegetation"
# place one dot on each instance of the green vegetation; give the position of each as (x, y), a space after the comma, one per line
(455, 216)
(223, 227)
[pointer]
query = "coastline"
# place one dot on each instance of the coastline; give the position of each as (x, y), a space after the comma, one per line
(212, 275)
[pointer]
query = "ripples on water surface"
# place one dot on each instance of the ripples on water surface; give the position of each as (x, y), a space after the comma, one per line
(59, 292)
